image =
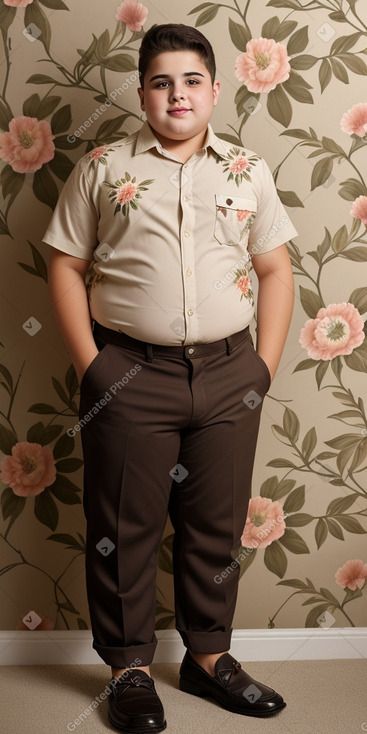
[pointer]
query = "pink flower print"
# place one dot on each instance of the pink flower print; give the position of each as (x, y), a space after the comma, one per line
(28, 144)
(263, 65)
(30, 616)
(264, 523)
(18, 3)
(359, 209)
(242, 214)
(132, 13)
(97, 152)
(29, 469)
(239, 165)
(244, 284)
(354, 121)
(126, 193)
(336, 330)
(352, 575)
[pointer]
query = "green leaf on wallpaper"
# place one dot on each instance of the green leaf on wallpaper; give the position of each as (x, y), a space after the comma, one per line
(42, 409)
(109, 127)
(359, 455)
(311, 302)
(241, 96)
(66, 539)
(31, 105)
(321, 172)
(321, 371)
(64, 446)
(295, 584)
(11, 504)
(285, 28)
(341, 504)
(103, 45)
(38, 433)
(334, 528)
(297, 133)
(207, 15)
(230, 139)
(119, 62)
(291, 424)
(64, 495)
(275, 559)
(357, 254)
(351, 189)
(65, 483)
(338, 15)
(321, 532)
(65, 144)
(41, 79)
(45, 509)
(54, 4)
(309, 443)
(61, 165)
(68, 465)
(298, 41)
(40, 268)
(339, 71)
(11, 182)
(47, 106)
(293, 542)
(358, 298)
(68, 606)
(5, 116)
(289, 198)
(346, 440)
(306, 364)
(246, 562)
(351, 524)
(305, 61)
(8, 385)
(8, 439)
(34, 14)
(270, 27)
(281, 464)
(44, 187)
(325, 74)
(61, 120)
(71, 381)
(7, 16)
(340, 239)
(295, 500)
(315, 613)
(165, 554)
(239, 35)
(279, 106)
(344, 43)
(199, 7)
(355, 64)
(298, 520)
(331, 146)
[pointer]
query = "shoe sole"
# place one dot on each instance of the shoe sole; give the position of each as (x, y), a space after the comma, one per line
(189, 687)
(137, 729)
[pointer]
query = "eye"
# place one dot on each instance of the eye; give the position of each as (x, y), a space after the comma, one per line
(193, 80)
(160, 84)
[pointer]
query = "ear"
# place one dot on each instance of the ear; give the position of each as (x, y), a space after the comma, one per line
(216, 91)
(141, 96)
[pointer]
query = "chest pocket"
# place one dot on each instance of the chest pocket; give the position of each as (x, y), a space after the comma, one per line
(234, 216)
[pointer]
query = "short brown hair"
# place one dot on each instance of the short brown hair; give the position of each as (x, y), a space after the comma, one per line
(174, 37)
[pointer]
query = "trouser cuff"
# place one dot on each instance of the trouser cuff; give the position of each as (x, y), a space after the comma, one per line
(133, 656)
(206, 642)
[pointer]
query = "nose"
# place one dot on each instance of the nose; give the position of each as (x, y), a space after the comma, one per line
(177, 93)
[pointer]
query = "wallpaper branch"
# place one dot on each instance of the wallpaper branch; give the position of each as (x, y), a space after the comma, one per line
(293, 91)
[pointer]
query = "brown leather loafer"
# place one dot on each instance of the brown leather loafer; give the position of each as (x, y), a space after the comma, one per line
(134, 705)
(231, 687)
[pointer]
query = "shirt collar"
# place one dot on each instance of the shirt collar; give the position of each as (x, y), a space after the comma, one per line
(146, 140)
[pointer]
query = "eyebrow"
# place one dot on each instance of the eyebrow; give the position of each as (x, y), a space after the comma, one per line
(167, 76)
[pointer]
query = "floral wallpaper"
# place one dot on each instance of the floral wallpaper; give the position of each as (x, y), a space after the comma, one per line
(293, 91)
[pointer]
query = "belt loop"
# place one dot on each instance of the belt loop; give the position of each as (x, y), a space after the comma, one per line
(228, 347)
(149, 352)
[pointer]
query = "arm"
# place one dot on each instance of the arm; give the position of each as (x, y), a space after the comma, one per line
(274, 304)
(70, 306)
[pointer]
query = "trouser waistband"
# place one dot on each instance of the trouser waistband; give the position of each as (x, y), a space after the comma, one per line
(189, 351)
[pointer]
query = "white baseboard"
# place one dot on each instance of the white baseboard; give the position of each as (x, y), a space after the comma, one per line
(74, 647)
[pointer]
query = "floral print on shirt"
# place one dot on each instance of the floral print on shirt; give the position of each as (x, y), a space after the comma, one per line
(125, 192)
(244, 285)
(239, 165)
(99, 155)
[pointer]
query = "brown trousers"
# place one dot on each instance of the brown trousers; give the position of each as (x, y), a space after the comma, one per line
(166, 430)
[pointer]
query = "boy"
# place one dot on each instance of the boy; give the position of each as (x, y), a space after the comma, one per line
(171, 387)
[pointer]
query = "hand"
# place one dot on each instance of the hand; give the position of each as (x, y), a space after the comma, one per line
(82, 366)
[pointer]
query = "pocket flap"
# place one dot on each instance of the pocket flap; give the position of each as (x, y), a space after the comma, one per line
(235, 202)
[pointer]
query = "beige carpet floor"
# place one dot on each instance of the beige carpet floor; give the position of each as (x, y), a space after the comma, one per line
(323, 697)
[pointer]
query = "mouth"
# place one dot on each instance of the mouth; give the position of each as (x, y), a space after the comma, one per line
(178, 111)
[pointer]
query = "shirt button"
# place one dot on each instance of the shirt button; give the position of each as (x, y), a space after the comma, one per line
(229, 202)
(188, 271)
(190, 312)
(187, 234)
(186, 198)
(191, 350)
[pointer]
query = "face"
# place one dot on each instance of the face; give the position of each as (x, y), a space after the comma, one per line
(178, 96)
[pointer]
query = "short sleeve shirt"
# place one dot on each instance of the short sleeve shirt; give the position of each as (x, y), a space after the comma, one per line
(170, 243)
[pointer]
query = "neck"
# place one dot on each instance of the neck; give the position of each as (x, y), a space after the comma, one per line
(182, 149)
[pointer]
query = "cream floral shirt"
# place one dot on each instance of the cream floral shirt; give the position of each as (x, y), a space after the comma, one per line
(170, 243)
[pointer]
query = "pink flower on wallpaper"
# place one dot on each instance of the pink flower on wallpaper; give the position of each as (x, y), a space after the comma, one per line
(263, 65)
(126, 193)
(34, 620)
(242, 214)
(28, 144)
(336, 330)
(239, 165)
(352, 575)
(29, 469)
(18, 3)
(132, 13)
(264, 523)
(97, 152)
(359, 209)
(354, 121)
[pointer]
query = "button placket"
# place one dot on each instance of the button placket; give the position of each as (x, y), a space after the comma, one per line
(188, 252)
